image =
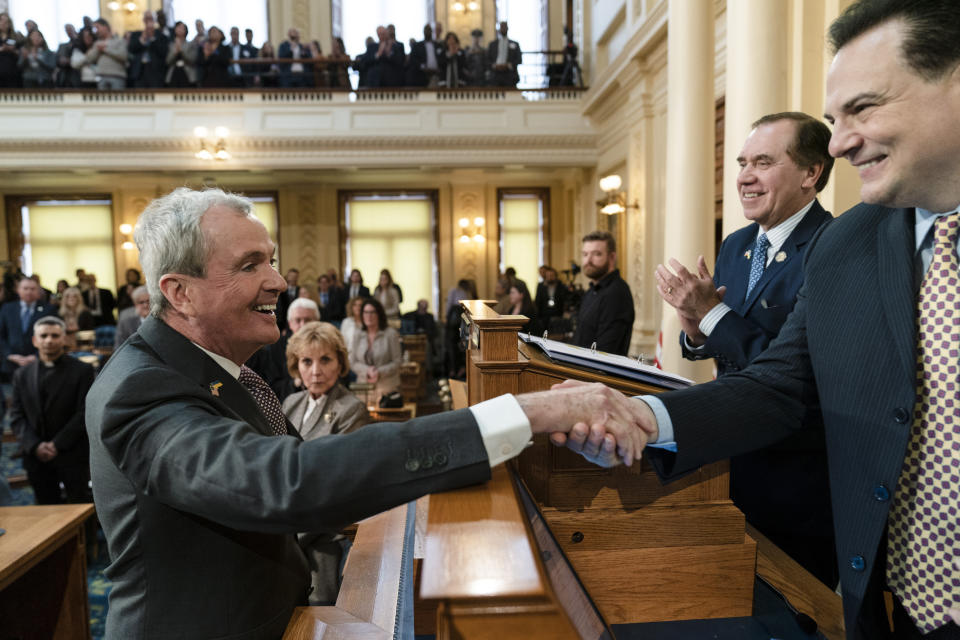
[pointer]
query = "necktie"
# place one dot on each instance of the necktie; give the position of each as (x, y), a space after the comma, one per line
(25, 318)
(265, 398)
(758, 262)
(922, 538)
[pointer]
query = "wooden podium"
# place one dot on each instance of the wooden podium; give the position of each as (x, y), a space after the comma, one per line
(644, 551)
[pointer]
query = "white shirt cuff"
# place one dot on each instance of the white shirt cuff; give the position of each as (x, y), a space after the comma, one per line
(503, 426)
(710, 321)
(664, 424)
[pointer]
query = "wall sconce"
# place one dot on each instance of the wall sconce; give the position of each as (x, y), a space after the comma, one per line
(212, 148)
(129, 7)
(125, 232)
(466, 7)
(471, 233)
(615, 200)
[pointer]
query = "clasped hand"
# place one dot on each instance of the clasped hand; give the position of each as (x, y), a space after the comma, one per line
(601, 424)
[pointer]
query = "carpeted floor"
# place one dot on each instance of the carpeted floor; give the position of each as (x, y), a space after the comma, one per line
(97, 584)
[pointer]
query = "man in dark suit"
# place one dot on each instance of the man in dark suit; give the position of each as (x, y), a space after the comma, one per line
(424, 64)
(100, 302)
(46, 414)
(16, 327)
(606, 309)
(504, 57)
(355, 286)
(388, 60)
(295, 74)
(873, 336)
(551, 297)
(783, 490)
(198, 476)
(148, 55)
(248, 51)
(333, 305)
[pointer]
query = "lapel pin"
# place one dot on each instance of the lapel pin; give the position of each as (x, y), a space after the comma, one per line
(781, 256)
(746, 254)
(215, 388)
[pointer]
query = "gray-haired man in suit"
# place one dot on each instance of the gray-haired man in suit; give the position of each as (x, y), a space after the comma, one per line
(199, 481)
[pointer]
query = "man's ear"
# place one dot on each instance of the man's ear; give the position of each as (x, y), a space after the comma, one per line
(36, 343)
(175, 288)
(811, 175)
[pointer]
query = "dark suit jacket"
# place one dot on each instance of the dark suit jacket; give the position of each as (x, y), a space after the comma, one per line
(151, 74)
(783, 489)
(416, 74)
(285, 50)
(388, 69)
(335, 309)
(364, 291)
(849, 344)
(544, 309)
(199, 502)
(514, 58)
(13, 340)
(107, 305)
(606, 315)
(56, 415)
(283, 303)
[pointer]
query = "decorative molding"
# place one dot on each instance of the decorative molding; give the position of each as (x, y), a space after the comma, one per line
(307, 237)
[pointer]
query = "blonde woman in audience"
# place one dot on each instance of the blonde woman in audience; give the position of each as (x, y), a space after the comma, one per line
(75, 314)
(317, 357)
(350, 327)
(376, 354)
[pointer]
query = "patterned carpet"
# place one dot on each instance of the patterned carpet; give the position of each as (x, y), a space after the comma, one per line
(98, 586)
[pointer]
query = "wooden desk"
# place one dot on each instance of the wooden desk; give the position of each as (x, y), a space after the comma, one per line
(43, 572)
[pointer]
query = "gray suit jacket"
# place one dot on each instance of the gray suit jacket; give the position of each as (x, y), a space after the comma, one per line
(341, 412)
(387, 358)
(199, 502)
(127, 325)
(850, 342)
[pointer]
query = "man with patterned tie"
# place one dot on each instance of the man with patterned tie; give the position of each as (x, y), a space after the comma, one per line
(783, 490)
(873, 338)
(200, 482)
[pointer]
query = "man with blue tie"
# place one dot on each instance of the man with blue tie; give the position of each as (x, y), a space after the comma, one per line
(783, 490)
(16, 327)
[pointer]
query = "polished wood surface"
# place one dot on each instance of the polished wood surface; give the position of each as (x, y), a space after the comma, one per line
(369, 596)
(482, 568)
(807, 594)
(43, 572)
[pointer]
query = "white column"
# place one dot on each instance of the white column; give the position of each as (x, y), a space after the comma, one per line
(756, 84)
(689, 218)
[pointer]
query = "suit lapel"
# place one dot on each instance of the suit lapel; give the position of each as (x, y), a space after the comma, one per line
(895, 258)
(736, 281)
(184, 356)
(791, 250)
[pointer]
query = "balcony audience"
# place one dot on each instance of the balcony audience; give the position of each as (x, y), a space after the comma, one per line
(65, 76)
(182, 57)
(109, 53)
(337, 66)
(10, 42)
(504, 57)
(148, 55)
(268, 73)
(453, 63)
(423, 69)
(389, 60)
(85, 68)
(296, 73)
(215, 60)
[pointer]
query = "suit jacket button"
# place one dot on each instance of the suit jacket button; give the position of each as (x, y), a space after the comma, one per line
(881, 493)
(412, 465)
(901, 415)
(857, 563)
(440, 459)
(427, 462)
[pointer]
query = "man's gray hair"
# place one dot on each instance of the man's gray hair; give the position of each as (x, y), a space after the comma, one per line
(170, 240)
(50, 320)
(303, 303)
(140, 291)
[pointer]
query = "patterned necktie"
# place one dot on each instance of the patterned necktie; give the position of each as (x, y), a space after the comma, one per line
(922, 536)
(265, 398)
(758, 262)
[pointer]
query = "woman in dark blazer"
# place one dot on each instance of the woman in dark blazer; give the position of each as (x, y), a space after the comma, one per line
(215, 60)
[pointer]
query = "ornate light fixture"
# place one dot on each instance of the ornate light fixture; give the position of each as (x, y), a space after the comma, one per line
(212, 148)
(616, 200)
(466, 7)
(125, 231)
(129, 7)
(471, 233)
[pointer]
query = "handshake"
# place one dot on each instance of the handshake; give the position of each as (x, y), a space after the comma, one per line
(601, 424)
